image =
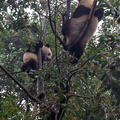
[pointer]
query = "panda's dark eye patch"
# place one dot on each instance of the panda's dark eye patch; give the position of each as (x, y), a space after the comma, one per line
(48, 54)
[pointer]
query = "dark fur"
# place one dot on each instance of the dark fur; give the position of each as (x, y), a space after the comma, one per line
(77, 49)
(99, 13)
(66, 28)
(47, 45)
(35, 48)
(38, 46)
(80, 11)
(31, 64)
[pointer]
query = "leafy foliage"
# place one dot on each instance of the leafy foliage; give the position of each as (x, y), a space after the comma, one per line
(87, 90)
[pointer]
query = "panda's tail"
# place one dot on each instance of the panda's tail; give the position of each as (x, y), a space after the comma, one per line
(31, 64)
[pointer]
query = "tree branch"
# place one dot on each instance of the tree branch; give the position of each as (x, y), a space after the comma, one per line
(66, 15)
(11, 73)
(50, 20)
(19, 84)
(76, 95)
(40, 85)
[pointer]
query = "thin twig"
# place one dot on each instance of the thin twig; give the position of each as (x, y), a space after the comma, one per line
(49, 106)
(53, 30)
(11, 73)
(75, 70)
(76, 95)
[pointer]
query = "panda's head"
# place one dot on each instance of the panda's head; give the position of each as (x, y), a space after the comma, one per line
(46, 53)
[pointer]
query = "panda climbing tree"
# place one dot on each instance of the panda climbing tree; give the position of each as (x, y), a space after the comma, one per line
(72, 28)
(30, 58)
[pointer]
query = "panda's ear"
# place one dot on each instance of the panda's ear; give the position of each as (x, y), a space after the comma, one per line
(47, 45)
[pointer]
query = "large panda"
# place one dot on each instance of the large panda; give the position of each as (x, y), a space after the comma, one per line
(72, 28)
(30, 58)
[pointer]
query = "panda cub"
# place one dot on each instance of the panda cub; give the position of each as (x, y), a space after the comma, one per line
(30, 58)
(73, 27)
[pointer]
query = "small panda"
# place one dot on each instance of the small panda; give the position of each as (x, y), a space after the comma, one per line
(72, 28)
(30, 58)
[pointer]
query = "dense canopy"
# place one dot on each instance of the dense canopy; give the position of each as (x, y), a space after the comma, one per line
(59, 90)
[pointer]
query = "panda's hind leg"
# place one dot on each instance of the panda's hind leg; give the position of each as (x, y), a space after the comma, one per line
(31, 64)
(77, 51)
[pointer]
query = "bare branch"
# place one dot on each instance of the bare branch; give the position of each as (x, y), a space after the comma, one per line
(11, 73)
(75, 70)
(40, 84)
(19, 84)
(49, 106)
(66, 15)
(81, 96)
(51, 24)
